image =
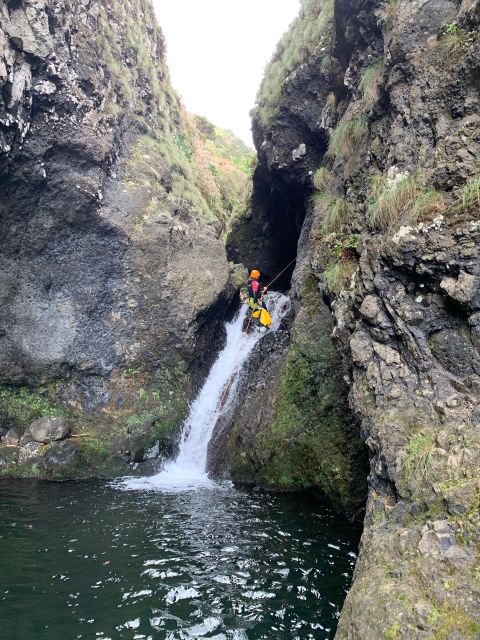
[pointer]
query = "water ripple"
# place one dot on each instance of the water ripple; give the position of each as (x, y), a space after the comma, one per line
(205, 564)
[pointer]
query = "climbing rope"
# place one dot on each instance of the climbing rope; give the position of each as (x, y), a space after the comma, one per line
(281, 272)
(245, 333)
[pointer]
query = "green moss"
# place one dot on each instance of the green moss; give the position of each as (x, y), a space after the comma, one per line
(393, 632)
(163, 402)
(93, 458)
(451, 620)
(311, 440)
(19, 406)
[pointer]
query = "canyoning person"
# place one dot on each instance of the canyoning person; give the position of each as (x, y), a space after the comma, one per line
(256, 302)
(255, 292)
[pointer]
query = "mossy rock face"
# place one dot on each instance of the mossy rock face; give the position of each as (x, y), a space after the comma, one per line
(101, 445)
(313, 441)
(294, 429)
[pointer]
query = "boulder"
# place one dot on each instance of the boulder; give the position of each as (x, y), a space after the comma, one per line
(48, 429)
(11, 438)
(462, 289)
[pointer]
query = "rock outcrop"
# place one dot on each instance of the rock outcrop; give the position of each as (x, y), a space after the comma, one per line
(113, 272)
(369, 115)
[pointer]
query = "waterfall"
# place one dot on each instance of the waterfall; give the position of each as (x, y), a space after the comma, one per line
(188, 470)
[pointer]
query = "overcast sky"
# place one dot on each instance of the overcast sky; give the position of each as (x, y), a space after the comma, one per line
(217, 51)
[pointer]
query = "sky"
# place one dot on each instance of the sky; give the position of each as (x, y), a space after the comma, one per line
(217, 52)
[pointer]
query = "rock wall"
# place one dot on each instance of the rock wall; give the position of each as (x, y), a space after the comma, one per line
(375, 120)
(113, 273)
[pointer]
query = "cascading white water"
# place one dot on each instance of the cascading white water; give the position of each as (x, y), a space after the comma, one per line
(189, 468)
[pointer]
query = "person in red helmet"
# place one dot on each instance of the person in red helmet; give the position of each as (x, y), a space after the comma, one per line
(255, 300)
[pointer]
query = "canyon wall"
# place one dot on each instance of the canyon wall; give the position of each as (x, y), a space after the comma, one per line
(367, 129)
(113, 275)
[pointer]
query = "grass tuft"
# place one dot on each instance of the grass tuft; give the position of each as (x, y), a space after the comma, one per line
(370, 81)
(334, 210)
(338, 275)
(405, 201)
(347, 137)
(418, 459)
(468, 198)
(452, 37)
(322, 179)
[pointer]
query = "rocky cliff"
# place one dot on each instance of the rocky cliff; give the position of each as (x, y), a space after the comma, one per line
(367, 129)
(113, 273)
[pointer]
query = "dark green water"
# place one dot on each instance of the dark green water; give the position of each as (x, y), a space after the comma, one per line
(88, 561)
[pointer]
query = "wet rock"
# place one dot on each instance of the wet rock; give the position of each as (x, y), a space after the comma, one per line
(30, 453)
(141, 306)
(60, 454)
(406, 325)
(48, 429)
(138, 455)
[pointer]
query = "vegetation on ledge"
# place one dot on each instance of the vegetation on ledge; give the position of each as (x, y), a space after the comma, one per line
(311, 29)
